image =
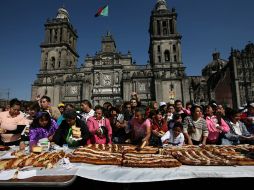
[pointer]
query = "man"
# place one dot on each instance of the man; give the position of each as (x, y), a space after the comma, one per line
(45, 103)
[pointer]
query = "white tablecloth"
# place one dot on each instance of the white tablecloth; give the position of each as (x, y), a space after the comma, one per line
(117, 174)
(131, 175)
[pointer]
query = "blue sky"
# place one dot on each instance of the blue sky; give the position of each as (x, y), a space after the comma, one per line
(204, 25)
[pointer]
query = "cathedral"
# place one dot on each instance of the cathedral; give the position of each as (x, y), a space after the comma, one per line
(110, 76)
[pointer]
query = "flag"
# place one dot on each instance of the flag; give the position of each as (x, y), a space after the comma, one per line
(102, 11)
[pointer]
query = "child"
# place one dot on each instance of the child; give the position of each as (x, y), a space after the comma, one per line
(174, 136)
(43, 126)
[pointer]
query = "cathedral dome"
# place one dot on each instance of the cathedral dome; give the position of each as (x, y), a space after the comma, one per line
(216, 65)
(161, 5)
(62, 14)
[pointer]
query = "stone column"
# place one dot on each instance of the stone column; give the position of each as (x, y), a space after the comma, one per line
(174, 24)
(158, 90)
(154, 28)
(179, 52)
(58, 35)
(161, 28)
(52, 35)
(127, 89)
(47, 36)
(64, 35)
(237, 104)
(56, 95)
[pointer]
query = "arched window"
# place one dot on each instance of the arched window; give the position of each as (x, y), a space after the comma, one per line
(167, 55)
(59, 60)
(159, 48)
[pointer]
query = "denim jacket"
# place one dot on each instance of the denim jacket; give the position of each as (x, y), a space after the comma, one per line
(232, 137)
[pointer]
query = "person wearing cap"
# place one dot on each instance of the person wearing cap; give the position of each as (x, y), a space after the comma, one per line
(61, 108)
(163, 106)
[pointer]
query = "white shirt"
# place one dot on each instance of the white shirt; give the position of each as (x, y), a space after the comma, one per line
(237, 128)
(179, 140)
(87, 115)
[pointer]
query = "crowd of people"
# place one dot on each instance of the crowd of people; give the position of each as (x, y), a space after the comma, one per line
(159, 124)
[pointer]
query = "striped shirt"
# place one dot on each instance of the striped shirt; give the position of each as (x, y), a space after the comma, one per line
(200, 126)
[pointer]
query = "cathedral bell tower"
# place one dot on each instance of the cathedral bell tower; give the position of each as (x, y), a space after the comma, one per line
(165, 53)
(59, 46)
(58, 57)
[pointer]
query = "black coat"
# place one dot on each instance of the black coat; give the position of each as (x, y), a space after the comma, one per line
(61, 133)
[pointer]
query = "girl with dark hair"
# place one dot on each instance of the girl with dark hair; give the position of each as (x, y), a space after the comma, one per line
(174, 136)
(43, 126)
(99, 127)
(140, 128)
(159, 128)
(216, 125)
(176, 118)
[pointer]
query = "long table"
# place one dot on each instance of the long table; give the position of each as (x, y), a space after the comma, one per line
(117, 174)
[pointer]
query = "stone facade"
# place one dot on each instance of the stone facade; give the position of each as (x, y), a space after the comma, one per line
(231, 82)
(110, 75)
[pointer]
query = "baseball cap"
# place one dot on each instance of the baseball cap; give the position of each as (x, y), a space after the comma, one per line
(163, 103)
(60, 105)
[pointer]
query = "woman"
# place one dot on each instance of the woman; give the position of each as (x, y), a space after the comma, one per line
(72, 131)
(140, 128)
(9, 121)
(217, 127)
(194, 127)
(43, 126)
(99, 127)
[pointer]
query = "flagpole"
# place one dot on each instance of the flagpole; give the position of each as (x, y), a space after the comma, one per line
(107, 22)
